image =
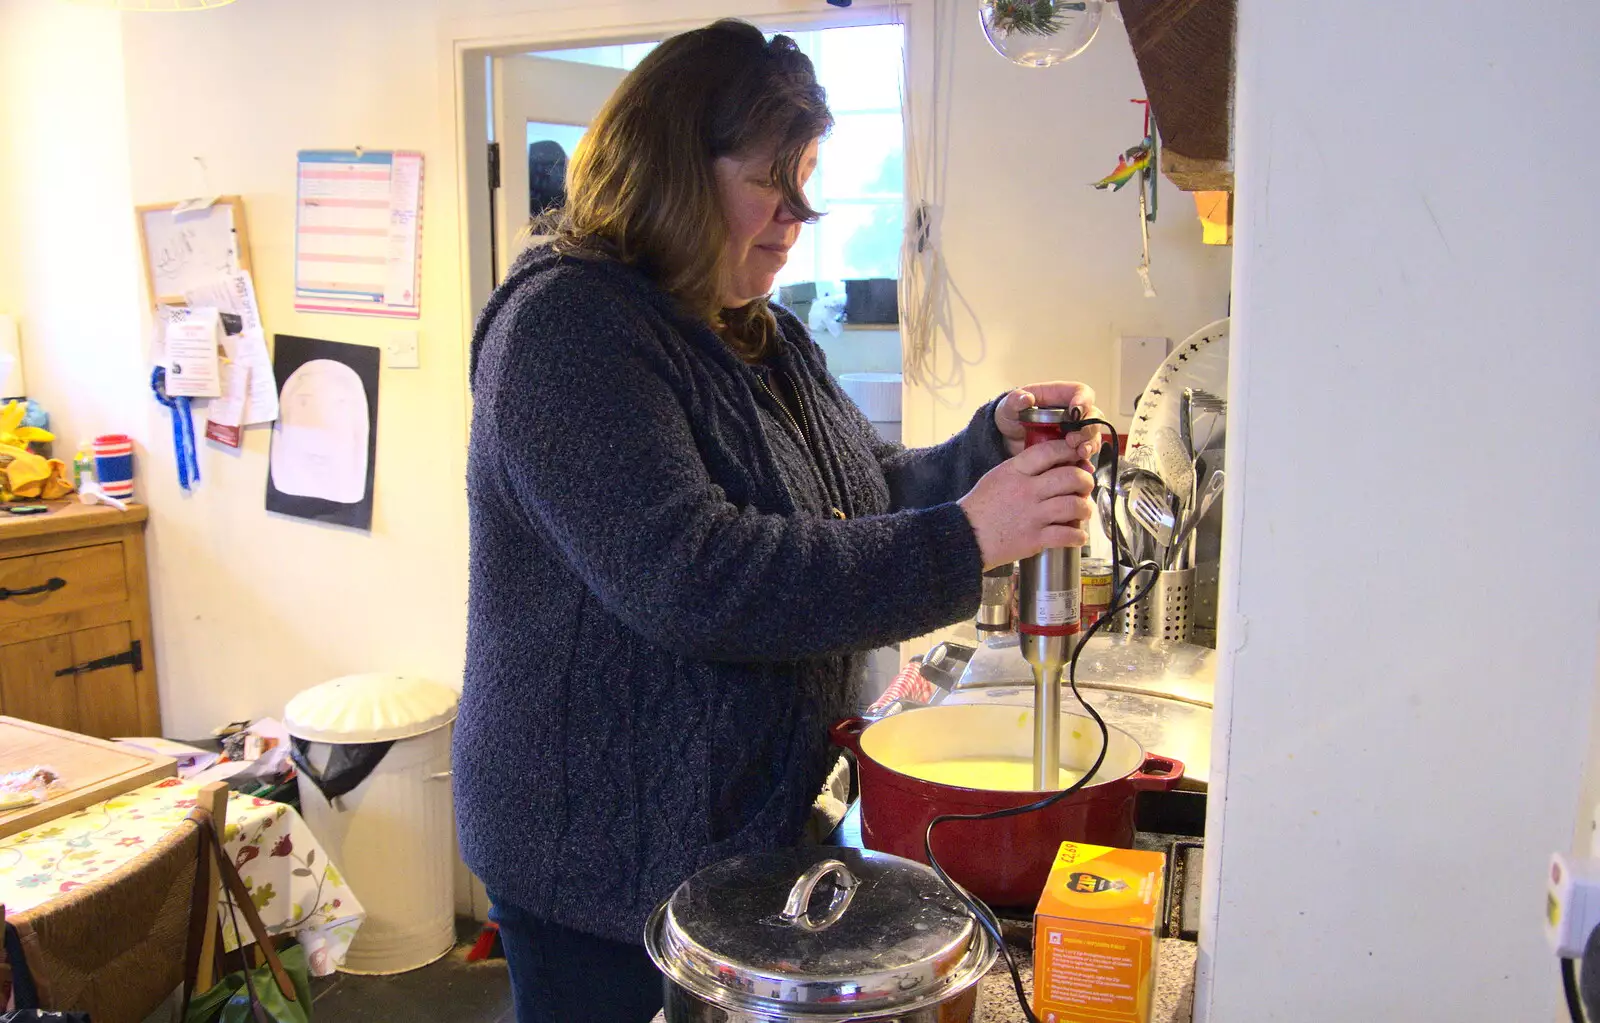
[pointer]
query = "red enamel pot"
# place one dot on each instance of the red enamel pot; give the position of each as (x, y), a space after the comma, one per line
(1004, 862)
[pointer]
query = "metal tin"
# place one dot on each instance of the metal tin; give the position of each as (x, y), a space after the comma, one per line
(819, 934)
(1098, 583)
(994, 609)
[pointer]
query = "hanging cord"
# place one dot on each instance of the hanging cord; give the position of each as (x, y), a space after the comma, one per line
(1569, 984)
(984, 915)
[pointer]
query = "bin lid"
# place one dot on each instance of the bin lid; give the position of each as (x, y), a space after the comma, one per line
(370, 708)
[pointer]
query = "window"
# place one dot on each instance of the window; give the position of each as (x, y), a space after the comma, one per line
(860, 178)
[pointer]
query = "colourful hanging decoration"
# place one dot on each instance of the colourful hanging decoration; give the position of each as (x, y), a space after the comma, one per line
(1131, 162)
(1140, 162)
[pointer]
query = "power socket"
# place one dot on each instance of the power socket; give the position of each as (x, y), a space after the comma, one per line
(1572, 904)
(400, 351)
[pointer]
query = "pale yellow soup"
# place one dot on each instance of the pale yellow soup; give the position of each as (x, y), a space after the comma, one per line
(1000, 774)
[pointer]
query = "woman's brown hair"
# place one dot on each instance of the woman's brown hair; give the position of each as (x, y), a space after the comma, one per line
(641, 187)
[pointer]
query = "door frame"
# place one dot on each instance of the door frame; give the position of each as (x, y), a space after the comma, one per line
(467, 44)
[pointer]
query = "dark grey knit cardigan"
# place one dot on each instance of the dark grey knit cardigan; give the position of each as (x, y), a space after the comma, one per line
(663, 611)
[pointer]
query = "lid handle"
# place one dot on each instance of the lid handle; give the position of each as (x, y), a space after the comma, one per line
(797, 911)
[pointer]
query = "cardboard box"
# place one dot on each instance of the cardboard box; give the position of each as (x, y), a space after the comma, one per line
(1094, 935)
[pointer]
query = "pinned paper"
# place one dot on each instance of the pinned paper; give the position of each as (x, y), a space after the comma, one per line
(249, 349)
(225, 416)
(233, 293)
(195, 205)
(191, 356)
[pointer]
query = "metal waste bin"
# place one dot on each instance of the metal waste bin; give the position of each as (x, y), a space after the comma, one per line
(373, 753)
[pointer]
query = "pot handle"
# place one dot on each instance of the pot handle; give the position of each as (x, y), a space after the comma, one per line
(1157, 774)
(846, 734)
(797, 910)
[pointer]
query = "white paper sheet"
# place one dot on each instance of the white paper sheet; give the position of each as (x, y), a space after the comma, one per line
(191, 759)
(191, 355)
(249, 349)
(230, 293)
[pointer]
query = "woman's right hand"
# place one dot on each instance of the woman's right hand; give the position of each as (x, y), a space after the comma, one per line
(1039, 499)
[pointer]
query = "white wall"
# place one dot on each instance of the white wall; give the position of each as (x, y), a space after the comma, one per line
(1041, 265)
(1410, 604)
(66, 229)
(253, 607)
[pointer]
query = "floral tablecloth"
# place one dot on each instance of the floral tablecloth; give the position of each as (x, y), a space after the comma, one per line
(290, 879)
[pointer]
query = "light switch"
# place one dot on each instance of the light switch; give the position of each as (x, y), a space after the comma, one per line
(401, 350)
(1134, 362)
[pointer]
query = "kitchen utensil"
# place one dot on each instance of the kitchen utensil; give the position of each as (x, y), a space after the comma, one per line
(1175, 463)
(1003, 862)
(1204, 403)
(824, 935)
(1167, 612)
(1207, 498)
(1105, 504)
(1152, 509)
(1048, 591)
(1138, 540)
(1142, 541)
(1200, 363)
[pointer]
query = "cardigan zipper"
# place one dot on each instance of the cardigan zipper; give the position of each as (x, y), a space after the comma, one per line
(805, 437)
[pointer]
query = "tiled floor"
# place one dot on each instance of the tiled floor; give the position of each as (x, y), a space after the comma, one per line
(451, 990)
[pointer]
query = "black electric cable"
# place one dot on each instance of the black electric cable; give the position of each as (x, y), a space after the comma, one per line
(984, 915)
(1569, 983)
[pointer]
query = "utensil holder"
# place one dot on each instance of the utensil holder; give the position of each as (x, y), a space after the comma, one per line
(1167, 611)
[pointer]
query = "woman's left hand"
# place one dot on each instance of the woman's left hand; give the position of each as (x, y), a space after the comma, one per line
(1057, 393)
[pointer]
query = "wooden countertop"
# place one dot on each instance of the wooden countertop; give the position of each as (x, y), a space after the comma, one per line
(65, 517)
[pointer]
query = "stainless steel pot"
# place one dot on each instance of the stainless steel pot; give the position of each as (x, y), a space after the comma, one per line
(821, 935)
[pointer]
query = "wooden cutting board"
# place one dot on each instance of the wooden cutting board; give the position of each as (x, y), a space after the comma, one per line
(92, 770)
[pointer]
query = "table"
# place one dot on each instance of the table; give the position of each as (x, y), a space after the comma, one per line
(91, 769)
(292, 883)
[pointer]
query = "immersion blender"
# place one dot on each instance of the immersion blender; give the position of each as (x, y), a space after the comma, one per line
(1047, 615)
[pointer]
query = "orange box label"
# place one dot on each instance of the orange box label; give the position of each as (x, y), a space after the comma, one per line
(1094, 952)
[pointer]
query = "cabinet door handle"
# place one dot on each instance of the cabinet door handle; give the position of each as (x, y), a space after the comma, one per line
(50, 585)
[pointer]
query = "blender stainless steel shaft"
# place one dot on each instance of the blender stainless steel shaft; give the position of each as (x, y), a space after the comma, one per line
(1048, 616)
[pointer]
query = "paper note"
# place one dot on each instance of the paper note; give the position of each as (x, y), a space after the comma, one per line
(225, 415)
(405, 203)
(358, 230)
(249, 349)
(191, 357)
(233, 293)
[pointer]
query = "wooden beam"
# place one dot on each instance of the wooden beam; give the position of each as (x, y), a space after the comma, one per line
(1192, 175)
(214, 797)
(1185, 51)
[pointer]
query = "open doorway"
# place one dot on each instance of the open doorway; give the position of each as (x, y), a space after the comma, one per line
(540, 101)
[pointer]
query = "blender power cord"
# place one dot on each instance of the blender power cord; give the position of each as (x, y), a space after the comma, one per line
(981, 912)
(1569, 983)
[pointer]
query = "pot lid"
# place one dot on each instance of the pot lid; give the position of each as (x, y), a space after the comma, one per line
(370, 708)
(820, 930)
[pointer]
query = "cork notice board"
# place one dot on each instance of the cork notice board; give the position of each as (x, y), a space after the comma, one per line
(186, 248)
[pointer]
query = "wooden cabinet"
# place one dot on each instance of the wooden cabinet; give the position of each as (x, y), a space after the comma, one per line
(75, 650)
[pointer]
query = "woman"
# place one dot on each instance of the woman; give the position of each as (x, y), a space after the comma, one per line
(683, 532)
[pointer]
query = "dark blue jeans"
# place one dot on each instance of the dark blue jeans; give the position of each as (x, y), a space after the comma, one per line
(560, 975)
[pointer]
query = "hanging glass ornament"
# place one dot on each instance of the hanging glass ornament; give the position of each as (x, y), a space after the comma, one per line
(1040, 33)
